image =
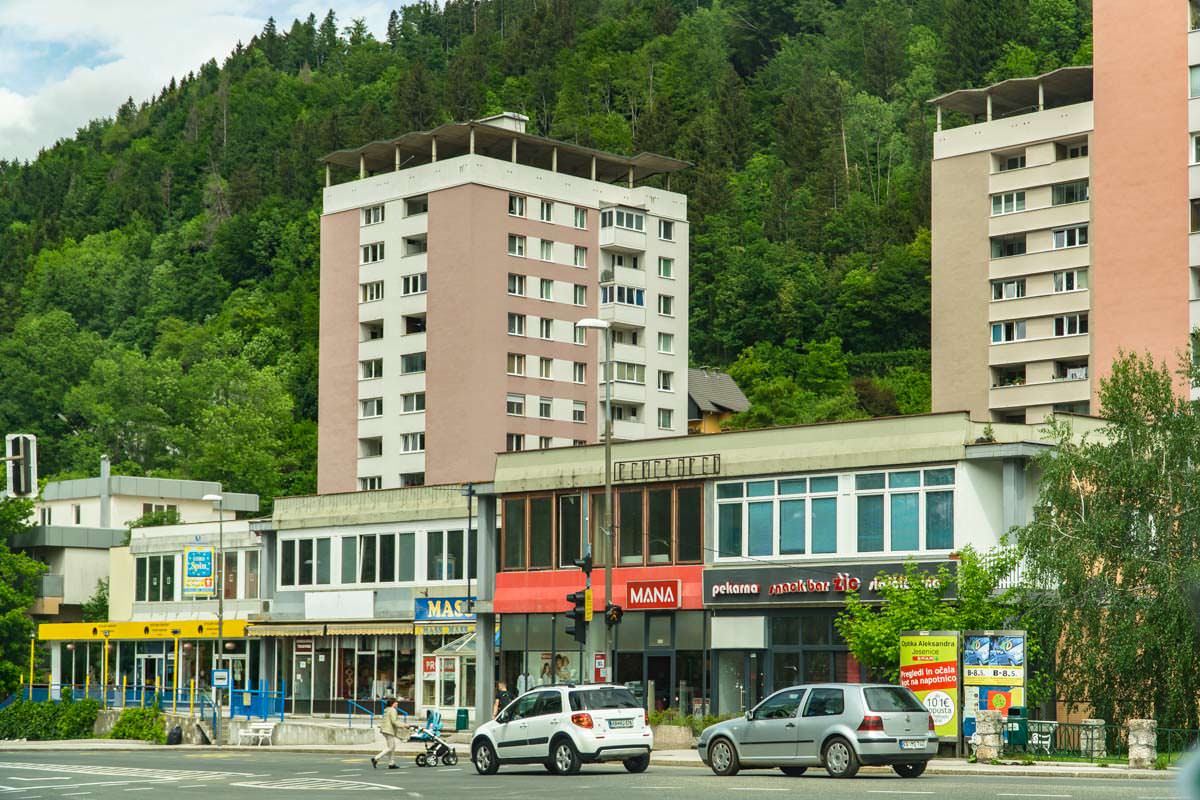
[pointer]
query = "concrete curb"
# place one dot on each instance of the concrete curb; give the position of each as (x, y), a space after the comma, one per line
(988, 771)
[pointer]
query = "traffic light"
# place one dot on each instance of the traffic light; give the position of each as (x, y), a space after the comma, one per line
(613, 614)
(585, 564)
(577, 616)
(21, 464)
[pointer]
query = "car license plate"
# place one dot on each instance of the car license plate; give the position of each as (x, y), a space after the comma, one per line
(912, 744)
(620, 723)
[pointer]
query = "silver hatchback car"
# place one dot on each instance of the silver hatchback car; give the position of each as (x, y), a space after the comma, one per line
(836, 725)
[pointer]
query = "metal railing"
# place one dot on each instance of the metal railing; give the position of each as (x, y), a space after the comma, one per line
(351, 706)
(1048, 740)
(260, 702)
(1174, 743)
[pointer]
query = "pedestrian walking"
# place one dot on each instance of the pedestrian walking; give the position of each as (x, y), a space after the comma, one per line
(503, 698)
(389, 727)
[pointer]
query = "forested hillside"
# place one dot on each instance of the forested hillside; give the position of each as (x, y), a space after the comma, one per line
(158, 271)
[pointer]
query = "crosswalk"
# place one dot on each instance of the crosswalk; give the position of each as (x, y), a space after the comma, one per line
(318, 784)
(144, 773)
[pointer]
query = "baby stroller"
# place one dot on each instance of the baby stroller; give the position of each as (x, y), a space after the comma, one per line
(437, 749)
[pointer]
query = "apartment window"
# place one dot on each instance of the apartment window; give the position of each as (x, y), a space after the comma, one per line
(896, 510)
(580, 256)
(666, 380)
(370, 292)
(516, 205)
(579, 372)
(666, 343)
(666, 305)
(147, 508)
(580, 218)
(1193, 23)
(412, 442)
(516, 324)
(1073, 192)
(416, 205)
(580, 295)
(413, 402)
(544, 405)
(1071, 237)
(580, 335)
(76, 513)
(516, 364)
(623, 260)
(1009, 376)
(370, 447)
(578, 442)
(411, 363)
(370, 483)
(625, 336)
(625, 295)
(516, 284)
(666, 267)
(514, 405)
(1193, 81)
(1007, 162)
(666, 419)
(579, 411)
(372, 252)
(544, 366)
(372, 215)
(1070, 324)
(514, 442)
(416, 245)
(547, 250)
(305, 562)
(1069, 150)
(1071, 370)
(1071, 280)
(545, 289)
(155, 579)
(545, 442)
(1196, 148)
(370, 331)
(45, 513)
(1195, 216)
(1007, 203)
(371, 407)
(1004, 246)
(412, 479)
(414, 284)
(627, 372)
(545, 211)
(372, 368)
(622, 219)
(666, 230)
(545, 328)
(1012, 331)
(1008, 290)
(787, 517)
(516, 245)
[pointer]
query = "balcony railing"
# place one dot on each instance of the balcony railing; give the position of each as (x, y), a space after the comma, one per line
(50, 585)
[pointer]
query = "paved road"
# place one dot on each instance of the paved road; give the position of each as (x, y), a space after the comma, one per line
(29, 775)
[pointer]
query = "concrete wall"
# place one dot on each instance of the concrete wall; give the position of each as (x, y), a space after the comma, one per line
(120, 584)
(337, 425)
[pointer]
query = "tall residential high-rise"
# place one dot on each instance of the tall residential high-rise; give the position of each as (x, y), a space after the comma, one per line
(1061, 227)
(453, 272)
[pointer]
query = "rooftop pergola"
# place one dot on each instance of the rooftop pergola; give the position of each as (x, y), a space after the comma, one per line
(481, 138)
(1062, 87)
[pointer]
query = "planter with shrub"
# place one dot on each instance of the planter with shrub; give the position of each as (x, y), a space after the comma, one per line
(140, 724)
(44, 721)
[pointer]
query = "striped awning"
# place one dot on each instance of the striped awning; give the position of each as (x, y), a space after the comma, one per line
(267, 630)
(369, 628)
(445, 628)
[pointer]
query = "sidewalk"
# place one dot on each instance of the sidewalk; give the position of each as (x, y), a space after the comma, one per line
(661, 758)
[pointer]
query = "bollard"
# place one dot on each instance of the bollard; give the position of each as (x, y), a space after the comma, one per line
(989, 725)
(191, 696)
(1143, 743)
(1091, 739)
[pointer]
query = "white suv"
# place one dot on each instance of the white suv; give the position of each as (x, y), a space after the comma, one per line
(564, 726)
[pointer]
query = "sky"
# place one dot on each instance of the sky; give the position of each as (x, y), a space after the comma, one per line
(64, 63)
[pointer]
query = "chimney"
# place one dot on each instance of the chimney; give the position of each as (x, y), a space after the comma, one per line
(105, 500)
(509, 120)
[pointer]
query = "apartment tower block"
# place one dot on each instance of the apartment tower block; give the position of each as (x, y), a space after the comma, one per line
(453, 271)
(1062, 233)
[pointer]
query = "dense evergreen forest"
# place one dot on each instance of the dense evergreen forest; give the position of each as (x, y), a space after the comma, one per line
(158, 271)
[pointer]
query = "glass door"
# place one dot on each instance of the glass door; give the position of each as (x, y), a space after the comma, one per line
(448, 682)
(740, 680)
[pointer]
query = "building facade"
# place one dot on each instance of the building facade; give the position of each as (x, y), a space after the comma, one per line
(453, 272)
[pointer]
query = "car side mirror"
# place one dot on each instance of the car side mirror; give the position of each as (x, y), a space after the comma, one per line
(502, 717)
(750, 715)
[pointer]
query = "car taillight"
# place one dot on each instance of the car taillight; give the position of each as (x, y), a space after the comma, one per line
(932, 727)
(582, 720)
(646, 718)
(871, 723)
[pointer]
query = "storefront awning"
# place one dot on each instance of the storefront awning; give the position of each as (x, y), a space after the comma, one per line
(370, 628)
(460, 646)
(285, 630)
(443, 628)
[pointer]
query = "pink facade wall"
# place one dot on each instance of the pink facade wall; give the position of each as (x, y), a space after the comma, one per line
(1139, 274)
(337, 396)
(467, 322)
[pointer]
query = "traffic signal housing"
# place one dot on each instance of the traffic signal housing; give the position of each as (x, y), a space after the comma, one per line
(613, 614)
(21, 464)
(577, 616)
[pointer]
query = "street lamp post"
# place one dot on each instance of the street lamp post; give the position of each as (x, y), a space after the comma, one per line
(609, 550)
(220, 570)
(468, 492)
(32, 640)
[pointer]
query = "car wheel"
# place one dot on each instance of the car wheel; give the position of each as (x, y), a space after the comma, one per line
(840, 758)
(723, 758)
(483, 755)
(794, 772)
(911, 770)
(549, 765)
(638, 764)
(564, 757)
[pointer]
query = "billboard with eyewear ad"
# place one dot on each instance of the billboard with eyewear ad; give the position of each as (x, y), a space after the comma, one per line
(929, 667)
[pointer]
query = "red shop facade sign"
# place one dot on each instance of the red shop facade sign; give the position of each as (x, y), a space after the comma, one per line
(653, 595)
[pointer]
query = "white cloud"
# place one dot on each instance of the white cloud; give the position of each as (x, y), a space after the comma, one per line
(135, 48)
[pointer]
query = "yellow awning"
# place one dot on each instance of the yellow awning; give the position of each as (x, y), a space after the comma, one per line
(158, 629)
(265, 630)
(445, 628)
(369, 628)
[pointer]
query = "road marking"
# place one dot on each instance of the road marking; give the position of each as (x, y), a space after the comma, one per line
(75, 794)
(755, 789)
(140, 789)
(194, 786)
(15, 778)
(126, 772)
(1013, 794)
(308, 772)
(894, 791)
(317, 784)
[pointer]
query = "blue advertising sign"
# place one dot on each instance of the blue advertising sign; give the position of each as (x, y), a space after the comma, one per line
(198, 572)
(441, 609)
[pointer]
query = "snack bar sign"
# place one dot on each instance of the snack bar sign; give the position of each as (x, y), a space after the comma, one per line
(799, 584)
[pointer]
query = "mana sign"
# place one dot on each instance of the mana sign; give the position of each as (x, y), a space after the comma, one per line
(653, 595)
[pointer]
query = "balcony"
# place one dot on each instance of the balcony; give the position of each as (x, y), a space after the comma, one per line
(1042, 305)
(626, 430)
(628, 352)
(624, 315)
(1069, 169)
(1043, 261)
(630, 277)
(627, 392)
(1044, 393)
(1036, 219)
(622, 240)
(50, 585)
(1043, 349)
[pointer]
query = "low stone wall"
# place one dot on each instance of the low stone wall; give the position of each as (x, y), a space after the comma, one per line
(989, 726)
(289, 732)
(189, 725)
(1143, 743)
(673, 737)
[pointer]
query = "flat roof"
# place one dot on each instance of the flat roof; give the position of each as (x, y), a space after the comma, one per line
(155, 488)
(453, 139)
(1060, 87)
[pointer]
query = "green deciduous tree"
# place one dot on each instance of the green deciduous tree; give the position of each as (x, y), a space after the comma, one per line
(19, 576)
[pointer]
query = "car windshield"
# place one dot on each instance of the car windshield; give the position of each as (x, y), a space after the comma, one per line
(892, 698)
(598, 699)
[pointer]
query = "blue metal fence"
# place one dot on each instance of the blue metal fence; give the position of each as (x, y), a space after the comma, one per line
(260, 702)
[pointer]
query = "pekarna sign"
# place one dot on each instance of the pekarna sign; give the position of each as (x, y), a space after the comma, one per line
(765, 585)
(653, 595)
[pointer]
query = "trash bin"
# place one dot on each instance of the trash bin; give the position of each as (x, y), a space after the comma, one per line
(1017, 726)
(462, 720)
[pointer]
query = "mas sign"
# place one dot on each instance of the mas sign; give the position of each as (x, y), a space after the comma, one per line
(653, 595)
